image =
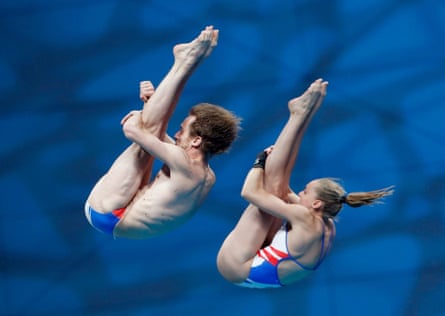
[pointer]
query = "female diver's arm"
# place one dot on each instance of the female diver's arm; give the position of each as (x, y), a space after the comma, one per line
(253, 191)
(292, 197)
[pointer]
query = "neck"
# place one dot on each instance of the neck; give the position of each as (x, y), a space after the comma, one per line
(197, 155)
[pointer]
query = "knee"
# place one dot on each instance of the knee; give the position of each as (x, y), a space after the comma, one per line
(151, 127)
(220, 261)
(154, 128)
(276, 187)
(229, 268)
(226, 270)
(222, 267)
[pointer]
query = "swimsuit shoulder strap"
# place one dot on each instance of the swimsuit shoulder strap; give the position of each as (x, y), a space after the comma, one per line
(323, 251)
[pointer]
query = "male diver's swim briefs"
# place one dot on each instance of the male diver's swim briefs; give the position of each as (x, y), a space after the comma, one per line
(103, 222)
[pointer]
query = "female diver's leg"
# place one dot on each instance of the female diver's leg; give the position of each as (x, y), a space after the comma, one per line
(240, 246)
(281, 161)
(255, 228)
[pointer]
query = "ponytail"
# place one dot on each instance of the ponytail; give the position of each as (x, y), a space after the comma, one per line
(357, 199)
(333, 196)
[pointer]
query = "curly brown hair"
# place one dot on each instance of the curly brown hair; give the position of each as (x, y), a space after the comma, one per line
(217, 126)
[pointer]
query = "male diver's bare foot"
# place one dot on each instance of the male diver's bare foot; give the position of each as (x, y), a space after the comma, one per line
(189, 55)
(310, 100)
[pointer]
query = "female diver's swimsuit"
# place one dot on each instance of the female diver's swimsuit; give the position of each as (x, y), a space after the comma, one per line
(264, 270)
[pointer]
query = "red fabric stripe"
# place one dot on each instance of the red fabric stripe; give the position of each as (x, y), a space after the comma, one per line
(269, 257)
(280, 253)
(119, 212)
(266, 253)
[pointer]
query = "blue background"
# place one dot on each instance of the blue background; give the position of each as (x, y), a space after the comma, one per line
(69, 72)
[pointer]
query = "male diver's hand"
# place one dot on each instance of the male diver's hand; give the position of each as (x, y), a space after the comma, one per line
(146, 90)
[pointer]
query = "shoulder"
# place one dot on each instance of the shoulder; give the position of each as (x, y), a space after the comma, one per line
(211, 174)
(210, 178)
(330, 224)
(179, 160)
(300, 212)
(304, 218)
(208, 175)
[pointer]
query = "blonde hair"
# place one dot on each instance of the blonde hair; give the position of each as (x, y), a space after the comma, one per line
(333, 195)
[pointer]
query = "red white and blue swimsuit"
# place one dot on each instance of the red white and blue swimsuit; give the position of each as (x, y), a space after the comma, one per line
(264, 270)
(104, 223)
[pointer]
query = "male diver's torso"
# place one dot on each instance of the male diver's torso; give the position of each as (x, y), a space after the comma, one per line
(167, 202)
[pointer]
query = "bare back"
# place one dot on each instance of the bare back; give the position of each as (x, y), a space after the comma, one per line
(166, 202)
(308, 243)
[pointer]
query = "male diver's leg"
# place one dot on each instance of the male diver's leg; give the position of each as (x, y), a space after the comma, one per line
(130, 171)
(121, 182)
(160, 106)
(133, 167)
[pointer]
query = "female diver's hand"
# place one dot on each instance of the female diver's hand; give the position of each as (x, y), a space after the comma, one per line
(260, 161)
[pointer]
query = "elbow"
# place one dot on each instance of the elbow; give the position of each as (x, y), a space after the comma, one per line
(126, 131)
(247, 195)
(243, 194)
(129, 132)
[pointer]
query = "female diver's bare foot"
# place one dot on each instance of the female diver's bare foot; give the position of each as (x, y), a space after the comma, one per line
(310, 100)
(190, 54)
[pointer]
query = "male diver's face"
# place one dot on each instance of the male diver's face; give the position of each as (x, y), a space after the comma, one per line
(183, 137)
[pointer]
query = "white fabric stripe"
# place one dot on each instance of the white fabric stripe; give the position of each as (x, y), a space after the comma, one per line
(269, 251)
(88, 213)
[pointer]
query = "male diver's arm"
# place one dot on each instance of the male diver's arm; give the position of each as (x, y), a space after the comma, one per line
(168, 139)
(168, 153)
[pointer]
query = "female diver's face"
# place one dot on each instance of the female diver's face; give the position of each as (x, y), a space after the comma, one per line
(308, 196)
